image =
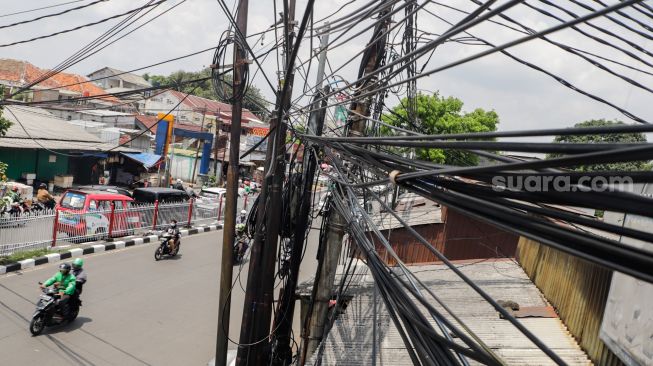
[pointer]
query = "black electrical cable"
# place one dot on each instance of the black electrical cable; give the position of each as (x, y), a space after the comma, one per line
(52, 15)
(42, 8)
(82, 26)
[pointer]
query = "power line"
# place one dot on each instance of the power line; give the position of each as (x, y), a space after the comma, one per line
(52, 15)
(45, 7)
(82, 26)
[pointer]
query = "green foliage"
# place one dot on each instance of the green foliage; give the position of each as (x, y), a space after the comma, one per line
(440, 115)
(253, 100)
(19, 256)
(604, 138)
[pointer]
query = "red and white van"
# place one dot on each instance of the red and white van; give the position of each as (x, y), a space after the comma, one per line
(86, 215)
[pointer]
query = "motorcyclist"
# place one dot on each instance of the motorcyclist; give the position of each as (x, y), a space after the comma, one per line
(242, 218)
(80, 275)
(179, 185)
(14, 195)
(44, 197)
(65, 283)
(174, 230)
(241, 237)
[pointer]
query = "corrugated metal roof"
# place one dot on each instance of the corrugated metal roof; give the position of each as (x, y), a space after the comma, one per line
(38, 129)
(413, 217)
(350, 340)
(40, 124)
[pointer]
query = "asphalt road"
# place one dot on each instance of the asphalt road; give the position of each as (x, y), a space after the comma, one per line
(135, 311)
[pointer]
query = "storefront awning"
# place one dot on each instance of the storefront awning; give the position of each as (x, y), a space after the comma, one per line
(147, 159)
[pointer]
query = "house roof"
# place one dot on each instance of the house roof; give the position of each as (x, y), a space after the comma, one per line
(213, 107)
(350, 340)
(128, 77)
(19, 73)
(35, 128)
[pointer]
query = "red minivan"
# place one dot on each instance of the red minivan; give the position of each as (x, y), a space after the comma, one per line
(86, 215)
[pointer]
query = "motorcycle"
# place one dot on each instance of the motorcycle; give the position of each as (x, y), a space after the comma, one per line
(164, 247)
(40, 206)
(239, 253)
(48, 313)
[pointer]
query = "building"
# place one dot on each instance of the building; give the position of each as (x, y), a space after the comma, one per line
(109, 118)
(365, 333)
(192, 109)
(41, 144)
(117, 81)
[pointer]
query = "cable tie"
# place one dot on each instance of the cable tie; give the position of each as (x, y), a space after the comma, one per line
(393, 176)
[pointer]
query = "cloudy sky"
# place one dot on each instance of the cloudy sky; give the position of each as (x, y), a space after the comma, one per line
(523, 98)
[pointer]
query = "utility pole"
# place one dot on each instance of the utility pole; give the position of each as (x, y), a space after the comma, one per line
(257, 313)
(323, 285)
(282, 352)
(199, 144)
(229, 229)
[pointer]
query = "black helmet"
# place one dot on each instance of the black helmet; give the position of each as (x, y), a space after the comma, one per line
(42, 185)
(64, 267)
(173, 223)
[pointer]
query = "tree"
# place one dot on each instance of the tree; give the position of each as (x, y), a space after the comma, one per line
(4, 126)
(253, 99)
(604, 138)
(440, 115)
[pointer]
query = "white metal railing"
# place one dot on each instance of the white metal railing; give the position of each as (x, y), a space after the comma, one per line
(37, 230)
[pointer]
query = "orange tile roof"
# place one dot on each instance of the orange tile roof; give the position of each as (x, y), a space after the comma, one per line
(22, 72)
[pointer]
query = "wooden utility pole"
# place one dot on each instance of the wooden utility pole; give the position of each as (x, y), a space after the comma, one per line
(257, 313)
(229, 227)
(282, 353)
(323, 285)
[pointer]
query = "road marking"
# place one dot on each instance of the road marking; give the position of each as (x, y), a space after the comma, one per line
(77, 252)
(98, 248)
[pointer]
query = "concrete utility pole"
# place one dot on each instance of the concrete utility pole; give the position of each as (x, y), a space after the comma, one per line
(323, 286)
(255, 325)
(282, 353)
(229, 229)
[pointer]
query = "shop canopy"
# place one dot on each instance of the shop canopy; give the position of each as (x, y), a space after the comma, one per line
(147, 159)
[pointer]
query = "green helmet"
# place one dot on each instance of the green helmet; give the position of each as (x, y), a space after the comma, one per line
(240, 227)
(78, 262)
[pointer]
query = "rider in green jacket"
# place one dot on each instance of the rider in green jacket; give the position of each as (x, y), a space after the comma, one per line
(65, 282)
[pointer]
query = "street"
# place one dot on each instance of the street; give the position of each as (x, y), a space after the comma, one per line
(135, 311)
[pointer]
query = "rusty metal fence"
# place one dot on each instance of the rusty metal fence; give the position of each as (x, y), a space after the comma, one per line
(39, 230)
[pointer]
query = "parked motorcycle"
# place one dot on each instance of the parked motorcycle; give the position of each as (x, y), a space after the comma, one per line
(48, 313)
(164, 247)
(40, 206)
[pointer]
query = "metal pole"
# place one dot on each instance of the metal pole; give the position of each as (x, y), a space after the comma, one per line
(218, 125)
(224, 306)
(284, 316)
(199, 146)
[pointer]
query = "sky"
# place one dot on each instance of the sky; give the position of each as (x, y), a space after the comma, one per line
(523, 98)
